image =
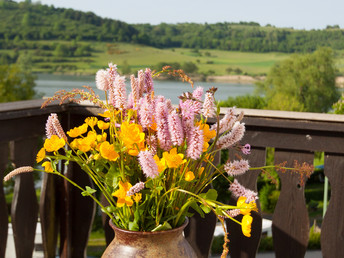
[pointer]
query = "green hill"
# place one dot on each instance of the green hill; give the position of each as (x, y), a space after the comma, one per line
(65, 40)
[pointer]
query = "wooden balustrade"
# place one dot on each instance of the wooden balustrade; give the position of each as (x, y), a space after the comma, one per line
(64, 212)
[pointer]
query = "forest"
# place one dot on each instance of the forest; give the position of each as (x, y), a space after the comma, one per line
(34, 21)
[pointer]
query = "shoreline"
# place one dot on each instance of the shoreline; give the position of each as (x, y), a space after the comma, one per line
(244, 79)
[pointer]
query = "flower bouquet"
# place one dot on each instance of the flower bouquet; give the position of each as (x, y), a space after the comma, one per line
(151, 160)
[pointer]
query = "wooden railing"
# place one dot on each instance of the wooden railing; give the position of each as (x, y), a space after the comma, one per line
(64, 212)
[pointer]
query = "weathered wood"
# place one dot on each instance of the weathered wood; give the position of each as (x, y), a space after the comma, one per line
(78, 211)
(49, 217)
(296, 139)
(290, 223)
(332, 228)
(240, 245)
(4, 158)
(24, 203)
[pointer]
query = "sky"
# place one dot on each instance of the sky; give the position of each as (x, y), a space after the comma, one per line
(297, 14)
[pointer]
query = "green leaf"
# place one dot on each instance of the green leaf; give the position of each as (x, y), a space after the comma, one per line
(210, 195)
(195, 206)
(112, 177)
(205, 208)
(165, 226)
(133, 226)
(89, 191)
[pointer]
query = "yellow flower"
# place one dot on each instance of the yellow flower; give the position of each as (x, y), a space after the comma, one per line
(40, 155)
(189, 176)
(107, 151)
(47, 166)
(54, 143)
(246, 223)
(106, 114)
(91, 121)
(137, 197)
(200, 171)
(102, 125)
(173, 159)
(245, 208)
(87, 143)
(121, 195)
(101, 137)
(132, 137)
(161, 163)
(207, 133)
(77, 131)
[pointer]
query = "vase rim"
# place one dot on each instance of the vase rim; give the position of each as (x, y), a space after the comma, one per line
(114, 227)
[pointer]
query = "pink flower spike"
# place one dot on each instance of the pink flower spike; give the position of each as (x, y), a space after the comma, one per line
(135, 90)
(234, 136)
(208, 109)
(237, 167)
(163, 132)
(195, 143)
(148, 81)
(53, 127)
(238, 190)
(119, 93)
(148, 165)
(102, 80)
(136, 188)
(176, 129)
(246, 149)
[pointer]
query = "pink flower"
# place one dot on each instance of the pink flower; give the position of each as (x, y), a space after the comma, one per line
(103, 80)
(195, 143)
(53, 127)
(135, 90)
(148, 165)
(246, 149)
(237, 167)
(227, 122)
(148, 81)
(238, 190)
(176, 129)
(119, 98)
(234, 136)
(208, 109)
(141, 82)
(163, 133)
(152, 143)
(136, 188)
(146, 112)
(233, 213)
(197, 94)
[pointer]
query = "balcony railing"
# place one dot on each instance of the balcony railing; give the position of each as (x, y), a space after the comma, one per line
(64, 212)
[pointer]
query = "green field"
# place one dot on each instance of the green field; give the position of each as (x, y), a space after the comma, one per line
(137, 57)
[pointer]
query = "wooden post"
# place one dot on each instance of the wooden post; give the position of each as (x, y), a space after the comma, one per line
(4, 158)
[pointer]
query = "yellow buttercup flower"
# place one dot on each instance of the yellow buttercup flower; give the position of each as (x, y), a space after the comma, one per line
(245, 208)
(207, 133)
(77, 131)
(54, 143)
(189, 176)
(173, 159)
(246, 223)
(106, 114)
(40, 155)
(137, 197)
(121, 195)
(132, 137)
(101, 137)
(107, 151)
(161, 163)
(47, 166)
(103, 125)
(91, 121)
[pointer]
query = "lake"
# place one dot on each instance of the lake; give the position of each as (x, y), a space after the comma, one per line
(48, 84)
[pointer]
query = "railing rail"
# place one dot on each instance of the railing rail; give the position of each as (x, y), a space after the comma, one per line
(63, 211)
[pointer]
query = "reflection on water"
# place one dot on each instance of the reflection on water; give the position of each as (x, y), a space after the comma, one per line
(48, 84)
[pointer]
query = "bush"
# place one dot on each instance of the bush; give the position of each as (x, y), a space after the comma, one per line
(268, 197)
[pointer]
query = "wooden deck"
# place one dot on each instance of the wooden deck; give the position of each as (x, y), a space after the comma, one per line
(64, 212)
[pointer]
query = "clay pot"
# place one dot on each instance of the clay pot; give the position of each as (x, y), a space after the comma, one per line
(169, 243)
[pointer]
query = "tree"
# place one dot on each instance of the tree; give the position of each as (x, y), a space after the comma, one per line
(15, 84)
(302, 83)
